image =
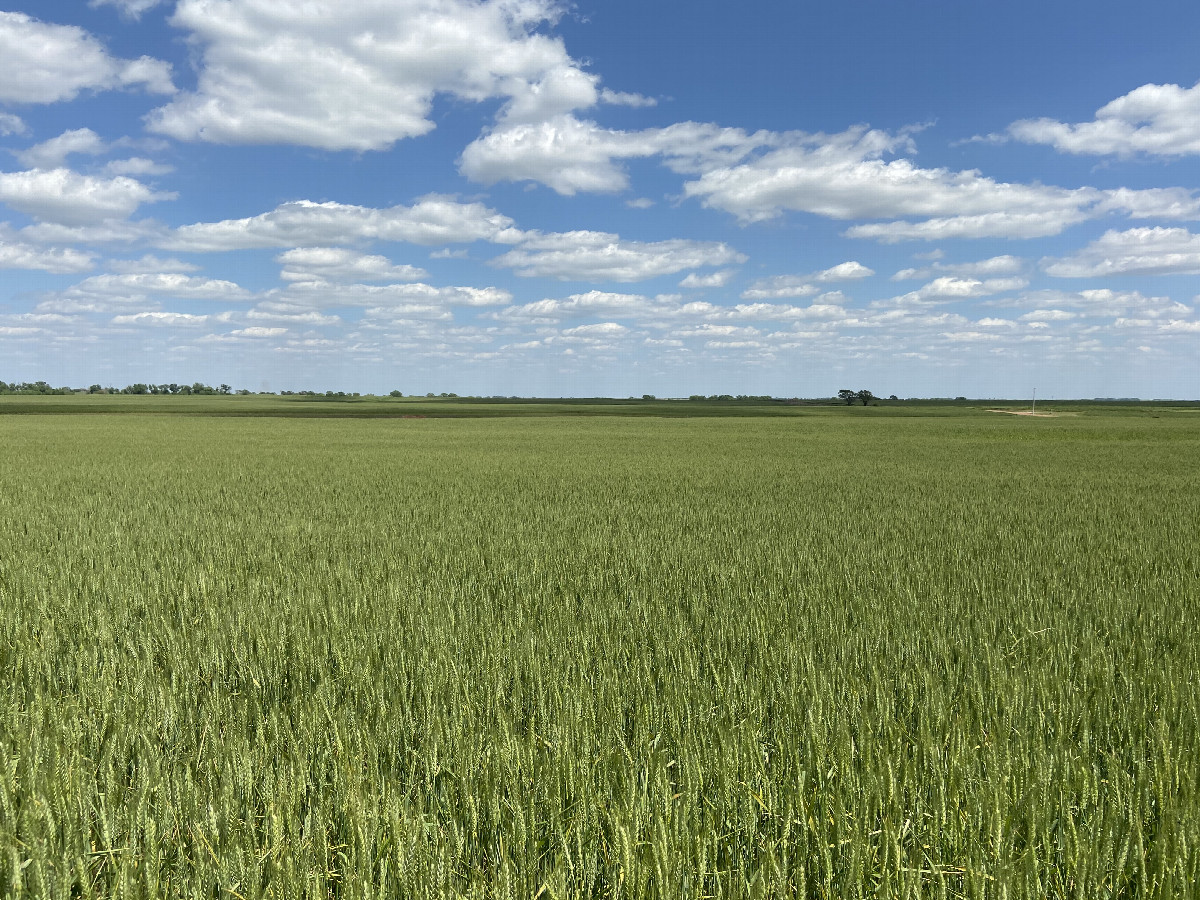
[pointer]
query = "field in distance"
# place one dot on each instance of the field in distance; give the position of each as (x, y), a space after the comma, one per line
(375, 407)
(829, 653)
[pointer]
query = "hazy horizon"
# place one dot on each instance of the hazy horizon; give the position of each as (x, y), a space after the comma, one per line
(542, 199)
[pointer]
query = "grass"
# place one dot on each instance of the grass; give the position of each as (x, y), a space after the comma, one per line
(822, 655)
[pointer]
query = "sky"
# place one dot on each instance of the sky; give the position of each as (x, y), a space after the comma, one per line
(603, 198)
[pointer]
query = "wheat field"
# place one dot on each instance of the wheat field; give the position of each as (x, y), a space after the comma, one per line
(808, 656)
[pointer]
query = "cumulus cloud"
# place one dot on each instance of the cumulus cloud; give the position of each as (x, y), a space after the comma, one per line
(1137, 251)
(565, 154)
(59, 260)
(290, 314)
(599, 256)
(996, 224)
(64, 197)
(149, 264)
(133, 293)
(11, 124)
(175, 285)
(52, 153)
(852, 270)
(1098, 303)
(326, 295)
(1151, 203)
(137, 165)
(570, 155)
(826, 307)
(45, 63)
(132, 9)
(340, 264)
(845, 176)
(259, 331)
(716, 279)
(432, 220)
(158, 317)
(953, 288)
(362, 75)
(984, 268)
(1155, 119)
(778, 287)
(103, 231)
(621, 98)
(591, 303)
(598, 330)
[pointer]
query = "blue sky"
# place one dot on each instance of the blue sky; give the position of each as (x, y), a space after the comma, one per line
(526, 197)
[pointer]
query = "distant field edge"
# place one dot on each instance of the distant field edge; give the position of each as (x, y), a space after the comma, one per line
(470, 407)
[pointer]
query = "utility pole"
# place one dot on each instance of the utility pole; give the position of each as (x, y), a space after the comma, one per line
(1033, 409)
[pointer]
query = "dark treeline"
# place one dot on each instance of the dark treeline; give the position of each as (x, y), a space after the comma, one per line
(198, 388)
(42, 387)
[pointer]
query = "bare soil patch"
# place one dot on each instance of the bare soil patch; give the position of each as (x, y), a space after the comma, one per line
(1026, 412)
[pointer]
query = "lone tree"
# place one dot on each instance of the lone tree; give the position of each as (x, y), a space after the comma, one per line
(864, 396)
(848, 396)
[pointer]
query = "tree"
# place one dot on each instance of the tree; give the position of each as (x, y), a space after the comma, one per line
(847, 396)
(864, 396)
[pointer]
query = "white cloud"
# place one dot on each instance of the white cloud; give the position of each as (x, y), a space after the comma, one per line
(259, 331)
(149, 265)
(620, 98)
(432, 220)
(10, 124)
(828, 309)
(852, 270)
(1099, 303)
(778, 287)
(845, 176)
(132, 9)
(599, 256)
(1176, 326)
(1137, 251)
(716, 279)
(45, 63)
(52, 153)
(598, 330)
(570, 155)
(1156, 119)
(952, 288)
(176, 285)
(274, 311)
(997, 224)
(1152, 203)
(984, 268)
(104, 231)
(340, 264)
(67, 198)
(17, 255)
(139, 292)
(591, 303)
(362, 75)
(172, 319)
(137, 165)
(1049, 315)
(325, 295)
(564, 153)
